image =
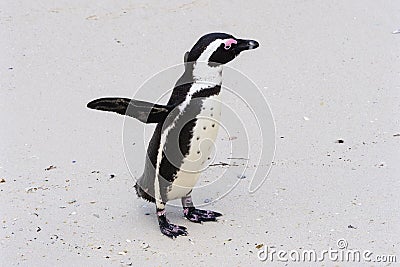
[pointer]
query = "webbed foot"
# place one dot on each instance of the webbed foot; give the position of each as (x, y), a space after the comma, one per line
(199, 216)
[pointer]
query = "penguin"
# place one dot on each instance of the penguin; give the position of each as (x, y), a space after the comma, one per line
(186, 128)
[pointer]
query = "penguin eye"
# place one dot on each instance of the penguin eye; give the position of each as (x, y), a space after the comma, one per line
(228, 43)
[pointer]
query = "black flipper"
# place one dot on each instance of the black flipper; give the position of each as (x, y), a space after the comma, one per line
(144, 111)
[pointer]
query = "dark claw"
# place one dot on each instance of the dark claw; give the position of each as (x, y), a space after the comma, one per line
(199, 216)
(172, 230)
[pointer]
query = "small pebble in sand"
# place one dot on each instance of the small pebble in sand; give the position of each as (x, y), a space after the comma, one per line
(128, 240)
(340, 141)
(50, 168)
(96, 215)
(92, 17)
(207, 200)
(2, 180)
(34, 188)
(145, 245)
(396, 31)
(382, 164)
(306, 118)
(351, 227)
(241, 176)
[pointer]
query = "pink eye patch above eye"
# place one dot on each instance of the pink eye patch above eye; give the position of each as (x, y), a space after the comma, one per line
(229, 42)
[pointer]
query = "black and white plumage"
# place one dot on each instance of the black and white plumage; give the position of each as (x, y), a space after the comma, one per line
(186, 128)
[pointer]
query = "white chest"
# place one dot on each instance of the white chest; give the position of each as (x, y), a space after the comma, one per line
(201, 146)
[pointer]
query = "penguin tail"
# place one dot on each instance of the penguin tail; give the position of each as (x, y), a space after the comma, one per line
(143, 111)
(141, 193)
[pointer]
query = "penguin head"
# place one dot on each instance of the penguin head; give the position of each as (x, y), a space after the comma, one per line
(219, 48)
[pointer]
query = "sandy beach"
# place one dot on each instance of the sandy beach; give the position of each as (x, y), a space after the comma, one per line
(328, 69)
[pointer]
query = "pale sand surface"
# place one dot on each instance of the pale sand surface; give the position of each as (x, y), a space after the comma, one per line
(333, 62)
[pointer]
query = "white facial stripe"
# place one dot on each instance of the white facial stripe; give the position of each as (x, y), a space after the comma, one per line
(205, 56)
(202, 71)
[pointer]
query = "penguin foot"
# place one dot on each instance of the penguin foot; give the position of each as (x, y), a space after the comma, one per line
(199, 216)
(172, 230)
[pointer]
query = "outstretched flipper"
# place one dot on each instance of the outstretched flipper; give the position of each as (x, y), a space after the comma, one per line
(144, 111)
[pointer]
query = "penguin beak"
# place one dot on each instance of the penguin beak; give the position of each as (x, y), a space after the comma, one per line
(246, 45)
